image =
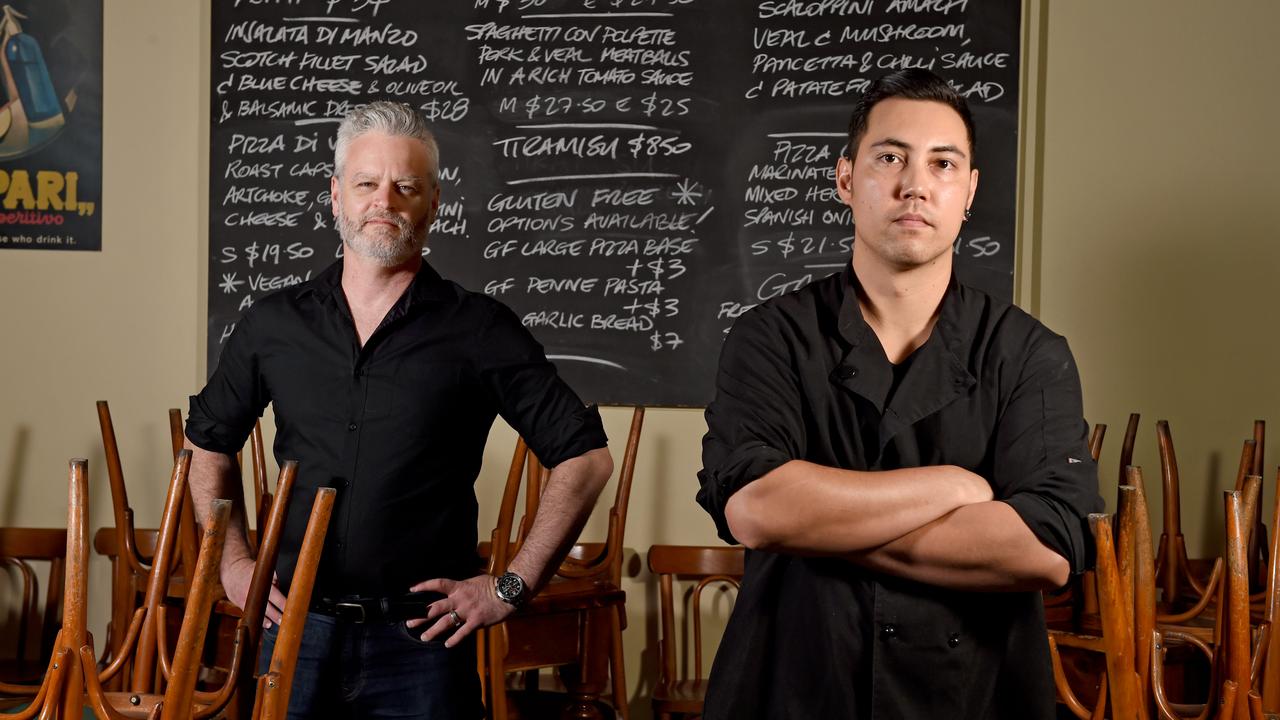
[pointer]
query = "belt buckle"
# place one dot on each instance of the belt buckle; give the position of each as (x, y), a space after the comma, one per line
(350, 605)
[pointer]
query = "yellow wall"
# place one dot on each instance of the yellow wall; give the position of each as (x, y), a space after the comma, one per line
(1153, 208)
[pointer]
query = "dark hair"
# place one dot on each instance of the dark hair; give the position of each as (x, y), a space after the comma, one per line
(913, 84)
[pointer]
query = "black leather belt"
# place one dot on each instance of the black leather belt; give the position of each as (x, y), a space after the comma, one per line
(376, 610)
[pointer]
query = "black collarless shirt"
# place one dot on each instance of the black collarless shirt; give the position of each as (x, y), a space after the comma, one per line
(398, 426)
(803, 377)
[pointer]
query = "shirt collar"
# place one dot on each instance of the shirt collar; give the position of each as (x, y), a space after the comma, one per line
(427, 287)
(950, 328)
(938, 372)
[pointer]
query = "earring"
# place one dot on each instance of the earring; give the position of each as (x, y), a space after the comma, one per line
(968, 213)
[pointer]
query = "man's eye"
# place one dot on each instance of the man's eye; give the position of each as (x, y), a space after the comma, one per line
(946, 164)
(407, 189)
(889, 158)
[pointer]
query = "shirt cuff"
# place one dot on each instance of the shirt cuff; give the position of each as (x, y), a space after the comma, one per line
(1054, 524)
(743, 465)
(576, 434)
(208, 434)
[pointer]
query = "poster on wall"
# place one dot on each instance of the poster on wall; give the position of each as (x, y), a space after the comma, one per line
(51, 124)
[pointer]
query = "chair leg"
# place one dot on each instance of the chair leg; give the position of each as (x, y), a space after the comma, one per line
(616, 669)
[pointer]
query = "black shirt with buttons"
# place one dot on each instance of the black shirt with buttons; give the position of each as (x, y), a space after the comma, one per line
(398, 426)
(803, 377)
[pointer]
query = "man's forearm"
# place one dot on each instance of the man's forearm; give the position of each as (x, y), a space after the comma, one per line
(806, 508)
(212, 476)
(566, 503)
(984, 546)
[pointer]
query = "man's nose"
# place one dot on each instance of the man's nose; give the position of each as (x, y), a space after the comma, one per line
(915, 182)
(385, 196)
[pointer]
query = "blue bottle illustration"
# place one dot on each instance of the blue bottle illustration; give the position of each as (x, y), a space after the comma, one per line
(29, 73)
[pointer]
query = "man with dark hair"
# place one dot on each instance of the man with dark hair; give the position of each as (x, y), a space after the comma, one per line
(903, 456)
(385, 379)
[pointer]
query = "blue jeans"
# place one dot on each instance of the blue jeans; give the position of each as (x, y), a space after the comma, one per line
(378, 670)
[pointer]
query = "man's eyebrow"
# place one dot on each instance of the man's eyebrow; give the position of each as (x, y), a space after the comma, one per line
(895, 142)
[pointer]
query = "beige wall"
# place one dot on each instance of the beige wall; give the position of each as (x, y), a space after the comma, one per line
(1153, 208)
(1159, 240)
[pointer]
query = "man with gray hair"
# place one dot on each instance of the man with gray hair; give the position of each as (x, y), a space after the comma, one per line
(385, 379)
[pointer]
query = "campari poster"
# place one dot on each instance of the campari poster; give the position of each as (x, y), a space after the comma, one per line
(51, 124)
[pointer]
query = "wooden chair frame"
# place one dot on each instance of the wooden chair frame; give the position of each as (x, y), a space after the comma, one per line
(676, 691)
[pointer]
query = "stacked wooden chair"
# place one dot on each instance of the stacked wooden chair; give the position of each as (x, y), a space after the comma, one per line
(575, 623)
(1152, 603)
(73, 678)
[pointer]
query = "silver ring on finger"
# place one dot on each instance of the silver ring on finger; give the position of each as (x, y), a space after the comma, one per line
(457, 621)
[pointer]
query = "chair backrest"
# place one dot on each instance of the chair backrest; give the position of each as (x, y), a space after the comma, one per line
(603, 560)
(19, 548)
(60, 692)
(275, 685)
(1126, 447)
(719, 568)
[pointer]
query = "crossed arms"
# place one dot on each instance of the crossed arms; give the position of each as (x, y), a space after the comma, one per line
(936, 525)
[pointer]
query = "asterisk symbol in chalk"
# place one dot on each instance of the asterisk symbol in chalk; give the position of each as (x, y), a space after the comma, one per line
(229, 283)
(687, 193)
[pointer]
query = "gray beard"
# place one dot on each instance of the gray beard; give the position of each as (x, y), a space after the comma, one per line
(386, 251)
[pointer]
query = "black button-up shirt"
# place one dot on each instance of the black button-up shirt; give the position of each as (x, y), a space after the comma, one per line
(398, 426)
(803, 377)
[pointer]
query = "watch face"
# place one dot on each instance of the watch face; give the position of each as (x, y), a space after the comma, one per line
(510, 587)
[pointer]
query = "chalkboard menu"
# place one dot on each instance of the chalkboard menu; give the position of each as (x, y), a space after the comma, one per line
(628, 175)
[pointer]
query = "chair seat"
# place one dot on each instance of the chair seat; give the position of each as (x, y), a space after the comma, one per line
(684, 696)
(562, 595)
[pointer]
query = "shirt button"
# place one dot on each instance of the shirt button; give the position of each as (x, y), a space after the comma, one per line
(352, 427)
(888, 631)
(954, 640)
(844, 372)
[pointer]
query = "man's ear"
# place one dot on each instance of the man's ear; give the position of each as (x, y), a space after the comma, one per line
(333, 195)
(844, 179)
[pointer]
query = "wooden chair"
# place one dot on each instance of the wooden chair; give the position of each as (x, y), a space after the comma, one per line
(576, 621)
(1125, 572)
(274, 686)
(131, 551)
(1120, 682)
(19, 548)
(719, 568)
(179, 697)
(130, 568)
(1175, 572)
(244, 638)
(60, 693)
(1240, 651)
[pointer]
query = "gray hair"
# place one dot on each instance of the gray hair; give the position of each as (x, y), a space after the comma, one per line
(389, 118)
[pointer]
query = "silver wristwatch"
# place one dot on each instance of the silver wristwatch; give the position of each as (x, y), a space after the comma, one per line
(511, 589)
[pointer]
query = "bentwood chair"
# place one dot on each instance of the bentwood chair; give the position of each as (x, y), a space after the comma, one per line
(60, 691)
(179, 700)
(131, 551)
(682, 686)
(130, 567)
(575, 623)
(274, 686)
(20, 548)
